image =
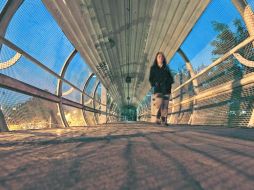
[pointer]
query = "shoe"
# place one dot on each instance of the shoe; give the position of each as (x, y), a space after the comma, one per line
(158, 122)
(165, 124)
(164, 121)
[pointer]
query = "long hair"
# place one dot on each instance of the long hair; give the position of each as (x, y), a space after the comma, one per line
(164, 61)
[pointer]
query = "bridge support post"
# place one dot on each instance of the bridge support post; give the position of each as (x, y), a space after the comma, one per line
(103, 117)
(153, 118)
(190, 69)
(171, 118)
(194, 82)
(3, 125)
(246, 13)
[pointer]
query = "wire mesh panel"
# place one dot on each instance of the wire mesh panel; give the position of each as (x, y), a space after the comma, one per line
(2, 4)
(251, 3)
(220, 96)
(26, 112)
(71, 93)
(88, 101)
(181, 113)
(144, 111)
(89, 117)
(97, 96)
(112, 119)
(186, 91)
(232, 109)
(34, 30)
(177, 64)
(219, 16)
(26, 71)
(44, 50)
(224, 72)
(74, 116)
(78, 72)
(91, 86)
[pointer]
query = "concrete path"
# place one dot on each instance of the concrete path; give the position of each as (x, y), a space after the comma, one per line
(128, 156)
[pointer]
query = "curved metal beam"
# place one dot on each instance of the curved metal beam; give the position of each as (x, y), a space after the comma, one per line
(240, 6)
(94, 94)
(83, 99)
(59, 87)
(243, 61)
(68, 92)
(245, 11)
(38, 63)
(248, 17)
(7, 13)
(218, 61)
(88, 80)
(12, 61)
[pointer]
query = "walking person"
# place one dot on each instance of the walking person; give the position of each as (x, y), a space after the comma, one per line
(161, 81)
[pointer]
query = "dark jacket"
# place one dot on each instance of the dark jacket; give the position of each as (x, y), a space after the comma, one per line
(161, 79)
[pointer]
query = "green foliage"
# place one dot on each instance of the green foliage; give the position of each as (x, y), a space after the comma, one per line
(228, 39)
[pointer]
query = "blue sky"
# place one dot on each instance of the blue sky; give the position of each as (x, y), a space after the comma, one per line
(35, 31)
(197, 44)
(203, 32)
(251, 3)
(2, 3)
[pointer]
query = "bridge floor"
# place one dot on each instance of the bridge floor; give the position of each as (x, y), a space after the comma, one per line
(128, 156)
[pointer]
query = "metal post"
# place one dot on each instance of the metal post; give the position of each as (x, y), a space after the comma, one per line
(103, 118)
(190, 69)
(3, 125)
(83, 98)
(59, 88)
(192, 74)
(246, 13)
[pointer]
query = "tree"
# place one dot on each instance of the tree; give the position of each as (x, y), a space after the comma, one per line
(227, 39)
(231, 69)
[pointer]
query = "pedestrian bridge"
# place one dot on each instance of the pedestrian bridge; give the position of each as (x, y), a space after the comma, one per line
(77, 112)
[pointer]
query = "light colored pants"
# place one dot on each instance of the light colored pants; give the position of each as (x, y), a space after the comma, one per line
(159, 106)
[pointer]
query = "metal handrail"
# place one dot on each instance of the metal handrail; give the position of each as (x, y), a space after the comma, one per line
(218, 61)
(35, 61)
